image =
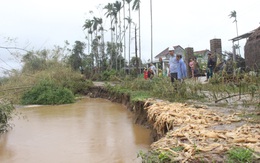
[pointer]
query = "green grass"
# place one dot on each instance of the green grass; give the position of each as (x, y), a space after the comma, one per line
(240, 155)
(139, 95)
(177, 149)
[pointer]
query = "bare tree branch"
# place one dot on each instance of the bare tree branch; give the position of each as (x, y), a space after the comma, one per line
(7, 48)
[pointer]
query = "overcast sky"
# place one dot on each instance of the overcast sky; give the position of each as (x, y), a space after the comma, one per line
(38, 24)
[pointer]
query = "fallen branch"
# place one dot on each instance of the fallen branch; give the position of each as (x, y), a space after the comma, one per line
(231, 96)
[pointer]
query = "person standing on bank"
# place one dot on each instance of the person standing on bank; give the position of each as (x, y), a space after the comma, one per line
(153, 68)
(196, 69)
(173, 65)
(192, 67)
(210, 66)
(182, 70)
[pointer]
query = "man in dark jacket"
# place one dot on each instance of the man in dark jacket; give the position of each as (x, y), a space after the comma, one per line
(210, 67)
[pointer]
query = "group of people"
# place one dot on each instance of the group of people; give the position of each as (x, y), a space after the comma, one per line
(150, 72)
(194, 66)
(177, 67)
(178, 70)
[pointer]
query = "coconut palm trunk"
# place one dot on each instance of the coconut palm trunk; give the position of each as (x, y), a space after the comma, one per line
(233, 14)
(136, 6)
(129, 29)
(124, 34)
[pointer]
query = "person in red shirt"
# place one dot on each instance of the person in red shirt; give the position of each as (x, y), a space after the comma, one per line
(192, 67)
(145, 73)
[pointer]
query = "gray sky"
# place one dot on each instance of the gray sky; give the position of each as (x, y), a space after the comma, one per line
(38, 24)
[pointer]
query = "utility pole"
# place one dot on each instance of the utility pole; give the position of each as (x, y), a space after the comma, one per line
(151, 12)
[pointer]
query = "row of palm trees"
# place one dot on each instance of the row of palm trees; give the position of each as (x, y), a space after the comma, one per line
(116, 13)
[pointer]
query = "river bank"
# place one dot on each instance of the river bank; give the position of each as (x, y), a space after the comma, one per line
(191, 133)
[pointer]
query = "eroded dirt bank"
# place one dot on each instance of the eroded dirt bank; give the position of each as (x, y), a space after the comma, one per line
(197, 132)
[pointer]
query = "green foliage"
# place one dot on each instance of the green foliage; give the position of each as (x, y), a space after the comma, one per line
(75, 59)
(65, 77)
(108, 75)
(34, 61)
(47, 93)
(114, 50)
(156, 156)
(139, 95)
(162, 88)
(6, 109)
(178, 148)
(240, 155)
(252, 89)
(62, 76)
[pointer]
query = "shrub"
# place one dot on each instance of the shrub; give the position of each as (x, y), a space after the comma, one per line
(6, 109)
(108, 75)
(67, 78)
(47, 93)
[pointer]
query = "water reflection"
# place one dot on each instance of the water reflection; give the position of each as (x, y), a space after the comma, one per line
(91, 130)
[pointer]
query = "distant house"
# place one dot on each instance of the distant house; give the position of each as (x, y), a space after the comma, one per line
(202, 58)
(162, 59)
(165, 54)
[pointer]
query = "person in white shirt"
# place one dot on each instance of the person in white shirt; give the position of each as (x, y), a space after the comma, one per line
(173, 65)
(153, 68)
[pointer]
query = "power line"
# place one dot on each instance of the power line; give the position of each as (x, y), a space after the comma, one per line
(6, 63)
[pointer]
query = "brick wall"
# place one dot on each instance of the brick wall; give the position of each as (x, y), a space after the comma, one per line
(216, 48)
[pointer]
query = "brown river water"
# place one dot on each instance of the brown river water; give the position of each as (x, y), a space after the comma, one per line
(88, 131)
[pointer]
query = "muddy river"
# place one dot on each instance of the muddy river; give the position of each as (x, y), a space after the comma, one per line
(89, 131)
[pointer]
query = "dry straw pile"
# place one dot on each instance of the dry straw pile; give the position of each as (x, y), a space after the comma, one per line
(192, 130)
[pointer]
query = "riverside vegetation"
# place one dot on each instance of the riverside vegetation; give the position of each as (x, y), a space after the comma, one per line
(60, 84)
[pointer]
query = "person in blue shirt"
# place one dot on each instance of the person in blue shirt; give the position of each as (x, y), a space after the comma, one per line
(173, 69)
(181, 69)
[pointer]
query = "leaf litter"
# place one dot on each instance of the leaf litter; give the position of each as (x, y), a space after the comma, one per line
(190, 128)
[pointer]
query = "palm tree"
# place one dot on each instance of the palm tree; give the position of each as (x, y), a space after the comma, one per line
(97, 24)
(110, 10)
(109, 7)
(118, 7)
(129, 20)
(129, 26)
(88, 26)
(233, 14)
(124, 32)
(136, 6)
(102, 44)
